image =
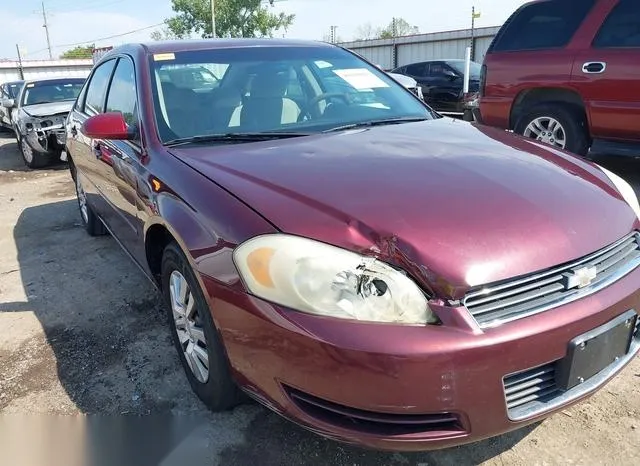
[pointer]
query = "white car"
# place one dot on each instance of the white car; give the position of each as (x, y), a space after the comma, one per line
(409, 83)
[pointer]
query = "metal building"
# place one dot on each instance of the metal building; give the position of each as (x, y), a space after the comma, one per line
(391, 53)
(36, 69)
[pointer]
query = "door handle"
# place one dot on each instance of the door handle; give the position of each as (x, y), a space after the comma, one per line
(594, 67)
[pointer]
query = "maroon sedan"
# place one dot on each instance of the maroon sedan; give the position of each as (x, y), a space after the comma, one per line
(328, 245)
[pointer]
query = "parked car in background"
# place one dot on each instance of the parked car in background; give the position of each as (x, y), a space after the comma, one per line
(442, 83)
(409, 83)
(39, 114)
(567, 74)
(343, 254)
(8, 91)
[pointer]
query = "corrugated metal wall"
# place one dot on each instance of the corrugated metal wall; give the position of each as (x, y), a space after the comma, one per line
(45, 69)
(411, 49)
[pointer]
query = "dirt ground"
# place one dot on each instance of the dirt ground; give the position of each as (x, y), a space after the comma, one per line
(82, 332)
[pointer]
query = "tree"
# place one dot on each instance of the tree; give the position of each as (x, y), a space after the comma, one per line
(80, 51)
(234, 18)
(399, 29)
(367, 32)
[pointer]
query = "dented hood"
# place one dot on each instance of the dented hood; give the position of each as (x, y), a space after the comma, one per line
(456, 205)
(48, 109)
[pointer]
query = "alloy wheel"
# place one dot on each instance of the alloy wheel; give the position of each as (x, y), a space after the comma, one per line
(547, 130)
(27, 151)
(188, 326)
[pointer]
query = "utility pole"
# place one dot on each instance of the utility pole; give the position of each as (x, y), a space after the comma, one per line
(46, 28)
(474, 16)
(213, 19)
(20, 70)
(333, 35)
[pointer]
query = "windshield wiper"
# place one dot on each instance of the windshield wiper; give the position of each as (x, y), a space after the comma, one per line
(235, 137)
(369, 124)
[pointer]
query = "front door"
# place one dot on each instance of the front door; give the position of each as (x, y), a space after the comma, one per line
(121, 163)
(607, 74)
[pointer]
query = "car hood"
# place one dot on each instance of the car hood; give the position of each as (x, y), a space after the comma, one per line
(51, 108)
(455, 204)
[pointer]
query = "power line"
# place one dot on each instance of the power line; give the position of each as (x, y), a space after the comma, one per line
(93, 41)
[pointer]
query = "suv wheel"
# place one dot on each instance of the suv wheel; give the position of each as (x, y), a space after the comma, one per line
(556, 125)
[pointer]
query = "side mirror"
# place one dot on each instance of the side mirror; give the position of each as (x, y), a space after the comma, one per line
(451, 76)
(8, 103)
(107, 126)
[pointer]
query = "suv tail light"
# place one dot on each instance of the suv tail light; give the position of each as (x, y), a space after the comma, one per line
(483, 79)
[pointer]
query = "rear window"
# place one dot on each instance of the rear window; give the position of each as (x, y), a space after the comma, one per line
(543, 25)
(621, 28)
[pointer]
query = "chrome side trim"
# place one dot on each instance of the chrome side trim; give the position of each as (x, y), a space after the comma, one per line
(570, 297)
(536, 408)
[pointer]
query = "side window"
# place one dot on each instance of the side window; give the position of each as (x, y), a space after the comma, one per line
(437, 70)
(122, 93)
(97, 89)
(547, 24)
(622, 28)
(417, 69)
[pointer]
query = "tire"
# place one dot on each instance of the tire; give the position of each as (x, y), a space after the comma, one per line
(91, 222)
(31, 158)
(573, 126)
(217, 390)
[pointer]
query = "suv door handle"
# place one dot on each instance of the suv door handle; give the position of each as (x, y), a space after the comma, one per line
(594, 67)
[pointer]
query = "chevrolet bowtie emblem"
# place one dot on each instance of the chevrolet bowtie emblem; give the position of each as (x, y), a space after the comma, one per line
(580, 278)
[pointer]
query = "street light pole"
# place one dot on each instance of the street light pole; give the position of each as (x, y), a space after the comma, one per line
(213, 19)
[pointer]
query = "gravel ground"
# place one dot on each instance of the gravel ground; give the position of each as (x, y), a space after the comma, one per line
(82, 332)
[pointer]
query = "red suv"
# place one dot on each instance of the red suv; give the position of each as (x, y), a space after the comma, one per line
(567, 73)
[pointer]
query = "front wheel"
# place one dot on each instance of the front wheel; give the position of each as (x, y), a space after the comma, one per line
(194, 334)
(556, 125)
(31, 158)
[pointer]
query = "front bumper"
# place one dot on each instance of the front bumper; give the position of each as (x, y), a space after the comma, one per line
(404, 388)
(48, 140)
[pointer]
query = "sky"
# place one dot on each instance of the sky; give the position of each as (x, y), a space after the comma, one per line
(84, 21)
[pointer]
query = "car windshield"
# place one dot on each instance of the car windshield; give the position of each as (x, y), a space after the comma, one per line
(459, 66)
(54, 91)
(14, 89)
(296, 89)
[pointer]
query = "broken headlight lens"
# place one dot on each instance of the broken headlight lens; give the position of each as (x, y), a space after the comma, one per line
(324, 280)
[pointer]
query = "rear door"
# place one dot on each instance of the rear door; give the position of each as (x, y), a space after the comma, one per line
(534, 49)
(607, 72)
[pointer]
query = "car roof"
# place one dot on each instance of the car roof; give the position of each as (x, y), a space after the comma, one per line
(55, 78)
(209, 44)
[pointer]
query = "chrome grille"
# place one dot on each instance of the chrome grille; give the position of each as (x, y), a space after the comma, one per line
(501, 303)
(531, 386)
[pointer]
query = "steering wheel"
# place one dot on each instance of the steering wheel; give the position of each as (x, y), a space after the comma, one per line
(305, 111)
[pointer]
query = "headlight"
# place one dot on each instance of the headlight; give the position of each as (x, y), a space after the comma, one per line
(324, 280)
(624, 189)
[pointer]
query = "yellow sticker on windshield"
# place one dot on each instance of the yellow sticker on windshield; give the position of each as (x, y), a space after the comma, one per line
(164, 56)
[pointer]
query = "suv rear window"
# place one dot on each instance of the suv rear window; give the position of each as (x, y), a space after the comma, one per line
(621, 28)
(542, 25)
